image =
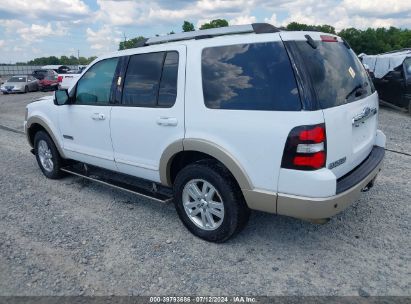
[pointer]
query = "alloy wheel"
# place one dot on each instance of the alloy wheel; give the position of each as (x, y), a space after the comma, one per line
(45, 156)
(203, 204)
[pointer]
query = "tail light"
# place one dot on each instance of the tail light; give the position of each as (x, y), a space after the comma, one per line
(328, 38)
(60, 78)
(306, 148)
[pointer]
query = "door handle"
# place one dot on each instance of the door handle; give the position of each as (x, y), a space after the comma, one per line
(167, 121)
(98, 116)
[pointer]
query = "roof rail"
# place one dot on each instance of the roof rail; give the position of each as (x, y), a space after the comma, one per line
(258, 28)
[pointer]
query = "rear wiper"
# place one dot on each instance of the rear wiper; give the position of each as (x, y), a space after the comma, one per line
(311, 41)
(358, 90)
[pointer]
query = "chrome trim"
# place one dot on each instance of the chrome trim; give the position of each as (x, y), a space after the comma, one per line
(366, 113)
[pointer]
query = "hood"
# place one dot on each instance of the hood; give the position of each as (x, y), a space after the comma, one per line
(44, 99)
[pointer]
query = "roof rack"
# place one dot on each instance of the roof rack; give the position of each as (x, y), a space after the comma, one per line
(257, 28)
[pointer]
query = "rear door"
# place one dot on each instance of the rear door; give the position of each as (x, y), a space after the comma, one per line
(149, 115)
(343, 90)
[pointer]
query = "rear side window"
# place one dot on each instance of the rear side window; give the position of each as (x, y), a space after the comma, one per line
(151, 80)
(249, 77)
(337, 75)
(168, 84)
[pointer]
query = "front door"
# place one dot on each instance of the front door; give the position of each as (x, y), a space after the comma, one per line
(85, 122)
(150, 115)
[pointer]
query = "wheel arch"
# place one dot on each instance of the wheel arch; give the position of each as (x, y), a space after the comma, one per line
(35, 124)
(197, 148)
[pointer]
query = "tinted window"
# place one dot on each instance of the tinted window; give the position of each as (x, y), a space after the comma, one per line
(142, 79)
(51, 77)
(407, 65)
(95, 85)
(17, 79)
(249, 77)
(168, 84)
(335, 73)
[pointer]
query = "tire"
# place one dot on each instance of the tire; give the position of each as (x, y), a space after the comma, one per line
(46, 152)
(227, 200)
(409, 107)
(26, 89)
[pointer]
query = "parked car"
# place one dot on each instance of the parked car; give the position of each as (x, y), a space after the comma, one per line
(58, 68)
(20, 84)
(391, 73)
(40, 74)
(49, 83)
(68, 79)
(247, 117)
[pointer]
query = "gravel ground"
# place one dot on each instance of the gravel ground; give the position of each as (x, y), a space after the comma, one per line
(72, 237)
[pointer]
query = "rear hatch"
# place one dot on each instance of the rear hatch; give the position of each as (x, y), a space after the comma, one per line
(339, 86)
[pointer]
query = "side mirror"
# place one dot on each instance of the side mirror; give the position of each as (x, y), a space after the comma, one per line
(61, 97)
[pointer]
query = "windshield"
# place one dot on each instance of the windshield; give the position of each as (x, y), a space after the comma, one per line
(17, 79)
(337, 75)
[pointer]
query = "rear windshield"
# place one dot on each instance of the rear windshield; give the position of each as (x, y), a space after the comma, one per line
(17, 79)
(51, 77)
(41, 72)
(336, 73)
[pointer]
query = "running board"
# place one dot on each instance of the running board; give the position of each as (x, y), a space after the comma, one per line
(121, 181)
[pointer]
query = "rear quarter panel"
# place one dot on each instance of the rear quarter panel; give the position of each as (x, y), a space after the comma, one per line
(255, 139)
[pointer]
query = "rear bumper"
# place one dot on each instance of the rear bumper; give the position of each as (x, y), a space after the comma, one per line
(48, 86)
(349, 188)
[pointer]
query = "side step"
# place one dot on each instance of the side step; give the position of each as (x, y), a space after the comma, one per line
(121, 181)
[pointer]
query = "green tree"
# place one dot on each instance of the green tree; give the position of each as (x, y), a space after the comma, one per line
(129, 44)
(88, 60)
(64, 60)
(214, 24)
(295, 26)
(188, 27)
(369, 41)
(326, 29)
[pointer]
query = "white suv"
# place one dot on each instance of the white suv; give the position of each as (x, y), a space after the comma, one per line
(221, 121)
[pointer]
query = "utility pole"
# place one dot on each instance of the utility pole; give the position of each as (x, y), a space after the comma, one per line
(78, 57)
(125, 39)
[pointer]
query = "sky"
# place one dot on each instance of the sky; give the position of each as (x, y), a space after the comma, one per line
(36, 28)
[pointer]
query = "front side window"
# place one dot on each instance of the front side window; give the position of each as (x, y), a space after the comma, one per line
(151, 80)
(254, 76)
(95, 85)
